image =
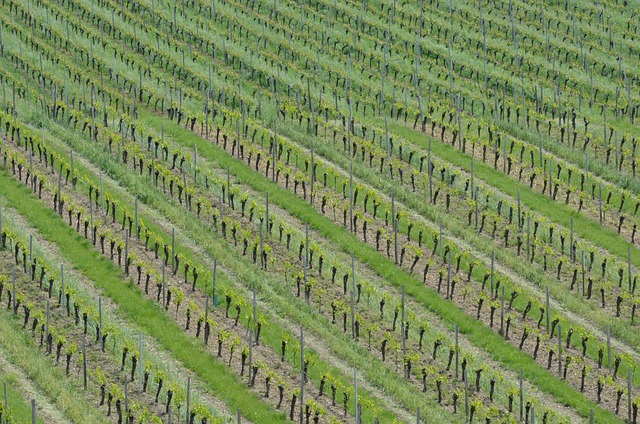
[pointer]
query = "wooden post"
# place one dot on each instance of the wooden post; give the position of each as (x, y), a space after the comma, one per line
(448, 274)
(600, 201)
(466, 393)
(583, 273)
(457, 330)
(30, 246)
(59, 193)
(188, 398)
(591, 417)
(521, 396)
(519, 213)
(402, 324)
(266, 202)
(430, 173)
(84, 360)
(250, 355)
(99, 317)
(6, 398)
(239, 415)
(492, 273)
(629, 393)
(440, 242)
(502, 313)
(102, 194)
(13, 292)
(313, 173)
(255, 313)
(547, 310)
(213, 291)
(140, 366)
(528, 235)
(629, 265)
(173, 247)
(126, 250)
(355, 390)
(33, 411)
(126, 396)
(559, 350)
(62, 298)
(164, 287)
(571, 251)
(533, 417)
(136, 214)
(301, 375)
(351, 195)
(609, 347)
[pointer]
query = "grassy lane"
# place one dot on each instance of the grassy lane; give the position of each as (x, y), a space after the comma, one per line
(18, 348)
(239, 271)
(479, 334)
(225, 385)
(19, 406)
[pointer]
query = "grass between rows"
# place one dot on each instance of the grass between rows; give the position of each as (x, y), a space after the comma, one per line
(583, 226)
(243, 272)
(19, 349)
(480, 335)
(225, 385)
(18, 405)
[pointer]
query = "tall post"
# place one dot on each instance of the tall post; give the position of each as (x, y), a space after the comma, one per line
(571, 251)
(629, 394)
(547, 309)
(84, 360)
(173, 247)
(33, 411)
(502, 312)
(457, 330)
(559, 350)
(609, 347)
(188, 399)
(266, 202)
(6, 398)
(255, 313)
(140, 366)
(301, 374)
(402, 324)
(213, 291)
(62, 297)
(492, 268)
(101, 194)
(13, 292)
(99, 317)
(351, 195)
(355, 389)
(440, 241)
(629, 265)
(136, 215)
(466, 393)
(521, 396)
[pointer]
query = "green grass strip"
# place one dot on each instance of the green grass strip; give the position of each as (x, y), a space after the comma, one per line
(18, 406)
(479, 334)
(61, 391)
(224, 385)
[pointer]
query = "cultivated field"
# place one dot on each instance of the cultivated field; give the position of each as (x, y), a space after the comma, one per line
(320, 211)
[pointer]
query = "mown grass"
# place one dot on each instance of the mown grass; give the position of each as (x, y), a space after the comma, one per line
(223, 384)
(479, 334)
(19, 349)
(242, 271)
(560, 213)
